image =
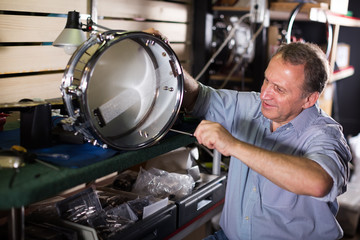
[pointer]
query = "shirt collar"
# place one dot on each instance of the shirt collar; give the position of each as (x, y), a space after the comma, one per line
(304, 119)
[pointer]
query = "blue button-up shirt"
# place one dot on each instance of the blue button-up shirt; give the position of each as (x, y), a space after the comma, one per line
(255, 208)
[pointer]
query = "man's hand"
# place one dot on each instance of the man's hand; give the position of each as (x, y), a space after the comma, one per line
(157, 33)
(293, 173)
(214, 136)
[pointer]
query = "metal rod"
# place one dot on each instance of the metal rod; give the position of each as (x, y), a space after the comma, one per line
(47, 164)
(216, 167)
(16, 224)
(181, 132)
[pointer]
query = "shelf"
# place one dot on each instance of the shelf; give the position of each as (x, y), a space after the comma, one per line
(343, 73)
(282, 11)
(230, 9)
(36, 182)
(315, 12)
(222, 77)
(320, 15)
(312, 12)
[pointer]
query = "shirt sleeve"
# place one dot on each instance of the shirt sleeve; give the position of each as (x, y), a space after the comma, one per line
(224, 106)
(329, 149)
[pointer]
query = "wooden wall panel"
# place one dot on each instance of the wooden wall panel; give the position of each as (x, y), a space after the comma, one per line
(175, 32)
(44, 6)
(33, 87)
(140, 9)
(20, 59)
(182, 51)
(17, 28)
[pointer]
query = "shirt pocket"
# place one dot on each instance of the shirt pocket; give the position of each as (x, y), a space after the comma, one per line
(276, 197)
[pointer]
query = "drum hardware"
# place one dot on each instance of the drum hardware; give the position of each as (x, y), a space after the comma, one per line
(73, 90)
(143, 134)
(166, 88)
(149, 41)
(123, 89)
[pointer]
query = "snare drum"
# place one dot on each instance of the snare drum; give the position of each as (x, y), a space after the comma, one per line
(123, 89)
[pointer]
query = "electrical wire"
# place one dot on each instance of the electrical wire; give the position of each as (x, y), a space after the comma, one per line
(238, 63)
(231, 34)
(241, 59)
(292, 20)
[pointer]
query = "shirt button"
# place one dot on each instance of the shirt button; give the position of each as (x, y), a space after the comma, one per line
(247, 218)
(254, 189)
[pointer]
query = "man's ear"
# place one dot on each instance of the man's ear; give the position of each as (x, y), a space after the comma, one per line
(311, 99)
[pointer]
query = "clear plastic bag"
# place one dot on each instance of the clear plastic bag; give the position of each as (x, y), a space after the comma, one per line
(161, 184)
(81, 207)
(116, 219)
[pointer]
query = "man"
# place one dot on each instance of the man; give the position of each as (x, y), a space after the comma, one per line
(289, 160)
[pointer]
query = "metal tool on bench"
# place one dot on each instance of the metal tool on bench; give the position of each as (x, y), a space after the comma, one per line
(17, 157)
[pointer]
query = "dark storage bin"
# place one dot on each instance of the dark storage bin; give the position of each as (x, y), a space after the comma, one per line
(157, 226)
(204, 197)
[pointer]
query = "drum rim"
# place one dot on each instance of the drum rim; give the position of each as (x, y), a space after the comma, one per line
(90, 132)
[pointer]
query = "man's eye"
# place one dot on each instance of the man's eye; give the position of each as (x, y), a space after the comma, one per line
(279, 89)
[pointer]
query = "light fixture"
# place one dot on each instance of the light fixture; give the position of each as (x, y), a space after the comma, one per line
(72, 36)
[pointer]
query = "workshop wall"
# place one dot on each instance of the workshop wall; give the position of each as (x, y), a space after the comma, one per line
(30, 67)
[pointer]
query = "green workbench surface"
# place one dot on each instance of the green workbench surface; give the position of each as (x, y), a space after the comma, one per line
(35, 182)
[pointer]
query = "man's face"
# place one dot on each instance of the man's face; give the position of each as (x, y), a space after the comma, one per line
(281, 93)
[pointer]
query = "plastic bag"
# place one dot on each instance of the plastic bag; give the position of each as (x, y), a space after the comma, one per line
(81, 207)
(161, 184)
(109, 223)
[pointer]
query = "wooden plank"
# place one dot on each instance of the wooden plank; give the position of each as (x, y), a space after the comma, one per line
(45, 6)
(175, 32)
(48, 58)
(32, 59)
(143, 9)
(46, 29)
(34, 87)
(15, 28)
(289, 6)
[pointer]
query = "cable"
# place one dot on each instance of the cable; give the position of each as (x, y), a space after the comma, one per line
(231, 73)
(232, 32)
(291, 21)
(241, 59)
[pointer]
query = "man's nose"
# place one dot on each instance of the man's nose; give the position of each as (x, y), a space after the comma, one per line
(265, 92)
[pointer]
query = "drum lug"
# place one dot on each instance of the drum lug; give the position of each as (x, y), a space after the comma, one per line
(149, 42)
(100, 38)
(73, 90)
(104, 36)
